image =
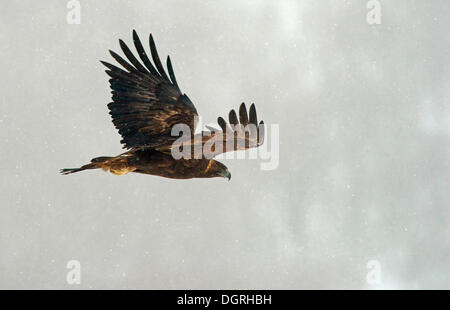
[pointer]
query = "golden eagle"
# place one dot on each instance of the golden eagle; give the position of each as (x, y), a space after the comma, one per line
(147, 104)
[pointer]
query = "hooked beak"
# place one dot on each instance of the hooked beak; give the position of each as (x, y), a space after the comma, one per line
(227, 175)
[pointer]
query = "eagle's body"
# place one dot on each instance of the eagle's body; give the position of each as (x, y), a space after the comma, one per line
(157, 163)
(147, 104)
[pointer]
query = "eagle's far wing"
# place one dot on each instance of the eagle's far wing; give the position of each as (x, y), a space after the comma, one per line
(239, 134)
(146, 101)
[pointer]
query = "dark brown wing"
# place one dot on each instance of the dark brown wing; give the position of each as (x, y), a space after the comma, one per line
(241, 133)
(146, 102)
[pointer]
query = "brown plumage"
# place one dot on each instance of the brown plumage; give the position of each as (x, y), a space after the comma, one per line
(146, 105)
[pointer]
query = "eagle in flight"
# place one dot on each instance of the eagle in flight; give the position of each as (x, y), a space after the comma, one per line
(147, 104)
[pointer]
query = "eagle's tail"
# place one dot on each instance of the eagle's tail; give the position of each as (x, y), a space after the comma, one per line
(98, 162)
(69, 170)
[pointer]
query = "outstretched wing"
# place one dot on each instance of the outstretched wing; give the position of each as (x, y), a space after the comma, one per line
(146, 101)
(239, 134)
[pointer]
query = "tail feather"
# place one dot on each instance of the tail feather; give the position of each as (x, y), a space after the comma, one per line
(66, 171)
(100, 159)
(117, 165)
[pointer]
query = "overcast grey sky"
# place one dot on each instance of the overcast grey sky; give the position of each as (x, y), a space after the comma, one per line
(364, 121)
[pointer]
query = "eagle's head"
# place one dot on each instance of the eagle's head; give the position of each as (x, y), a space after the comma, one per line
(217, 169)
